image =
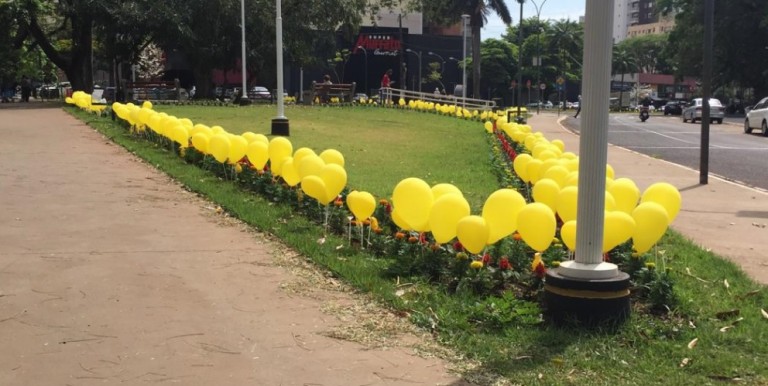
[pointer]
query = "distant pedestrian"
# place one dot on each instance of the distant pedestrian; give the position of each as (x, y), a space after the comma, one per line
(578, 109)
(386, 83)
(26, 88)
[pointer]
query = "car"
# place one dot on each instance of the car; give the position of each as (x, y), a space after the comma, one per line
(360, 98)
(693, 111)
(673, 108)
(757, 117)
(259, 93)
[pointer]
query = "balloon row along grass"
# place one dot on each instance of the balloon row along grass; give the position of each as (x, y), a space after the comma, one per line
(441, 211)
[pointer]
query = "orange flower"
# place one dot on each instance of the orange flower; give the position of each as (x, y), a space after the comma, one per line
(399, 235)
(517, 236)
(383, 201)
(413, 239)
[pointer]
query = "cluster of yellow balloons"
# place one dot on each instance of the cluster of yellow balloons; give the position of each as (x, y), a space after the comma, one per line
(322, 176)
(553, 173)
(84, 101)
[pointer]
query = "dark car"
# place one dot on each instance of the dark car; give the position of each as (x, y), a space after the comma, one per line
(259, 93)
(673, 108)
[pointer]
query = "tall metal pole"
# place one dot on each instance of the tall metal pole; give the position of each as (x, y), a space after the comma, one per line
(538, 52)
(593, 147)
(709, 21)
(464, 19)
(280, 124)
(366, 67)
(520, 62)
(243, 67)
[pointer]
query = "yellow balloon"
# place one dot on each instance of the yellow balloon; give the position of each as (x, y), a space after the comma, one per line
(666, 195)
(277, 166)
(572, 179)
(567, 203)
(610, 203)
(609, 171)
(180, 135)
(249, 136)
(147, 105)
(200, 142)
(625, 193)
(314, 187)
(332, 156)
(279, 148)
(238, 145)
(310, 165)
(335, 179)
(217, 129)
(568, 234)
(398, 220)
(500, 213)
(488, 126)
(533, 168)
(218, 147)
(413, 199)
(444, 217)
(521, 166)
(444, 188)
(261, 138)
(559, 144)
(651, 221)
(546, 192)
(289, 173)
(258, 154)
(472, 232)
(618, 227)
(362, 204)
(557, 173)
(537, 225)
(302, 152)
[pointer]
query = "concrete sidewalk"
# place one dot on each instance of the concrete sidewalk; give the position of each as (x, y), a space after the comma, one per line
(111, 273)
(728, 218)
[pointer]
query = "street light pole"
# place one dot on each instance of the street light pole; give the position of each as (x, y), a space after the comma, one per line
(464, 20)
(538, 52)
(442, 61)
(366, 67)
(243, 67)
(418, 55)
(280, 122)
(520, 63)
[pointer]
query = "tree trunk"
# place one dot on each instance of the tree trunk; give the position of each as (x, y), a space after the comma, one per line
(475, 60)
(621, 92)
(203, 82)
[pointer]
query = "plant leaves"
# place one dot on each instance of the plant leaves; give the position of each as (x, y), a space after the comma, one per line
(692, 343)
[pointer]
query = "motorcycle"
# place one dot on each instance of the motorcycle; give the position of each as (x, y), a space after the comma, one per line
(644, 113)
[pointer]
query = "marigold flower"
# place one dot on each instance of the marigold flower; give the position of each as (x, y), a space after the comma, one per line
(504, 264)
(650, 265)
(458, 247)
(537, 266)
(413, 239)
(337, 202)
(374, 223)
(383, 202)
(517, 236)
(476, 264)
(367, 222)
(486, 259)
(399, 235)
(461, 256)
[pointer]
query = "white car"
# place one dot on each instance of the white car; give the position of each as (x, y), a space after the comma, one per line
(757, 117)
(693, 111)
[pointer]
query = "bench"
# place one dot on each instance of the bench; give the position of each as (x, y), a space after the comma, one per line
(153, 91)
(344, 91)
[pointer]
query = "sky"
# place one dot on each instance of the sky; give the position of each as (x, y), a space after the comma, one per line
(551, 9)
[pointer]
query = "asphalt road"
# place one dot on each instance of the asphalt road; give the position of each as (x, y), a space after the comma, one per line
(733, 155)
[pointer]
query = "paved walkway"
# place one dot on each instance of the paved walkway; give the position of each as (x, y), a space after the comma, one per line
(729, 219)
(110, 273)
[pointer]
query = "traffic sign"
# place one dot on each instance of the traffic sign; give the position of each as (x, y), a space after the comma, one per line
(543, 86)
(560, 80)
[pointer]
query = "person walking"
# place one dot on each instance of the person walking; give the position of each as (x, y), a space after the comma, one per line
(386, 83)
(26, 88)
(578, 109)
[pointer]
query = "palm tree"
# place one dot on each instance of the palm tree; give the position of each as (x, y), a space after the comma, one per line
(478, 11)
(568, 37)
(623, 62)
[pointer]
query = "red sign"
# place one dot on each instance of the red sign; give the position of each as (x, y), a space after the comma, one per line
(377, 44)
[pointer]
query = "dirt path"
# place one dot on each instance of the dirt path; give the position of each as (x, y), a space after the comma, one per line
(110, 273)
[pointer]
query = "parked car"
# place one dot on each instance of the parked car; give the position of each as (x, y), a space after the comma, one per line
(693, 111)
(757, 117)
(259, 93)
(673, 108)
(360, 98)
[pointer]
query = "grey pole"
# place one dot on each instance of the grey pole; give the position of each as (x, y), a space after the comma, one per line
(520, 62)
(464, 19)
(593, 147)
(243, 67)
(709, 21)
(280, 125)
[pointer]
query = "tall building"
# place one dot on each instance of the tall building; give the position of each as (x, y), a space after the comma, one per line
(638, 17)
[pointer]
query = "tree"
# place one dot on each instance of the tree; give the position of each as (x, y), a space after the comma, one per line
(499, 64)
(568, 37)
(623, 63)
(449, 12)
(740, 33)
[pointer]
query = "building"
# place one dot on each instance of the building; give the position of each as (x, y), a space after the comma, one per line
(638, 17)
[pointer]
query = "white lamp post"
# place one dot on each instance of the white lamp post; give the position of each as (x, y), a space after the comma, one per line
(243, 67)
(280, 122)
(464, 20)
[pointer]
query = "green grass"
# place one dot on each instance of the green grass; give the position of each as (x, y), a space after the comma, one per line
(380, 146)
(647, 350)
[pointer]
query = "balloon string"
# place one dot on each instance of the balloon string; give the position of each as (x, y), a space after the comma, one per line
(369, 236)
(349, 230)
(325, 220)
(362, 239)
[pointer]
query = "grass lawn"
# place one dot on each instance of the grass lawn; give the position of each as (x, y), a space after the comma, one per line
(715, 335)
